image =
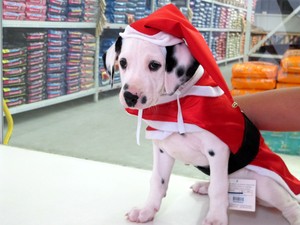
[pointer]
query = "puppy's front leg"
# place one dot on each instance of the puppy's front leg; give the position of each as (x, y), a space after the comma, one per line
(217, 153)
(162, 167)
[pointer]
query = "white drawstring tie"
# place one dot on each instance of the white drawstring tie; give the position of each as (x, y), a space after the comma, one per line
(180, 122)
(139, 126)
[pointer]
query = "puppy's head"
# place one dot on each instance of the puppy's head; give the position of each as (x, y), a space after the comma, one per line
(149, 71)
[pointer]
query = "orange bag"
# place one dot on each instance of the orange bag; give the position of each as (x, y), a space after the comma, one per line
(255, 83)
(254, 69)
(284, 77)
(236, 92)
(291, 64)
(287, 85)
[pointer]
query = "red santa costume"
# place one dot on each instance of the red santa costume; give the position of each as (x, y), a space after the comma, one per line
(204, 102)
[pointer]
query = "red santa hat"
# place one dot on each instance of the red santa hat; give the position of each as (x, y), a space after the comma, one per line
(168, 26)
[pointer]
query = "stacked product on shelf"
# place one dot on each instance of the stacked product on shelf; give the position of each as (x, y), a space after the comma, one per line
(218, 45)
(125, 12)
(56, 63)
(87, 79)
(80, 61)
(202, 13)
(250, 77)
(221, 25)
(36, 10)
(289, 73)
(13, 10)
(57, 10)
(36, 65)
(51, 10)
(14, 64)
(73, 70)
(233, 45)
(91, 10)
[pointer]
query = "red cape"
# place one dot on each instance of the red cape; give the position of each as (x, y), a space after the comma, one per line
(217, 115)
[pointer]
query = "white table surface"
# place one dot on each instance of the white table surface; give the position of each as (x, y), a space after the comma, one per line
(45, 189)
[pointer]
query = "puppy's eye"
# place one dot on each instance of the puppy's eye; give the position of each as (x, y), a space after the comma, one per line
(123, 63)
(154, 66)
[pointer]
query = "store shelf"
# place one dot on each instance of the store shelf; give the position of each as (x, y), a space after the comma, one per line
(109, 88)
(115, 26)
(53, 101)
(230, 59)
(46, 24)
(269, 56)
(219, 29)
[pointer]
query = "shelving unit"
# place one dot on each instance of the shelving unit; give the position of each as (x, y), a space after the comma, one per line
(272, 25)
(221, 29)
(38, 25)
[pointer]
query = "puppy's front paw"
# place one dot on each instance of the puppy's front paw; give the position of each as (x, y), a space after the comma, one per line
(200, 188)
(141, 215)
(216, 219)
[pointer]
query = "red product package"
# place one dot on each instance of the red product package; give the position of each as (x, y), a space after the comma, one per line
(37, 9)
(37, 2)
(35, 17)
(13, 6)
(13, 16)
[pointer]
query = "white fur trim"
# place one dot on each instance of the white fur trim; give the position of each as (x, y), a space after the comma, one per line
(274, 176)
(161, 38)
(167, 128)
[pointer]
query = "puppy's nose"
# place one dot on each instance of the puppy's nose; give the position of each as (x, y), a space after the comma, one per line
(130, 98)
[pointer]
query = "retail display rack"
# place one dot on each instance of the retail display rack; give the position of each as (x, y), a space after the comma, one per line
(273, 34)
(223, 24)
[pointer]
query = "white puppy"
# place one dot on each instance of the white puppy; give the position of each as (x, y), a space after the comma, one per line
(152, 75)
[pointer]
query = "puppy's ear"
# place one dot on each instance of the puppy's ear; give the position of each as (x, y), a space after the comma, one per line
(110, 57)
(180, 67)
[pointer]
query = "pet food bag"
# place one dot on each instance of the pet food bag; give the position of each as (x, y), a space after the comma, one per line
(254, 69)
(255, 76)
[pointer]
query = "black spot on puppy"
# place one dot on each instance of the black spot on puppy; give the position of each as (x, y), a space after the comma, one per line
(161, 151)
(125, 87)
(171, 61)
(192, 69)
(162, 181)
(211, 153)
(118, 45)
(180, 71)
(144, 100)
(104, 60)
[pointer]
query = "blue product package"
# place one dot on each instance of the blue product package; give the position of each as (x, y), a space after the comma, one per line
(58, 2)
(57, 50)
(54, 9)
(75, 11)
(56, 42)
(56, 58)
(55, 67)
(34, 77)
(56, 18)
(57, 34)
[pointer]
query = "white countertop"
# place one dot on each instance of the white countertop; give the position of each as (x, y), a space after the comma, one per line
(45, 189)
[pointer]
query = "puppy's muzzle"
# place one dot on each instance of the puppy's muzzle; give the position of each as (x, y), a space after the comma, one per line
(130, 98)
